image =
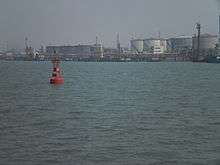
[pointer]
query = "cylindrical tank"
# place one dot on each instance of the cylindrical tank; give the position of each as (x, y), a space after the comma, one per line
(207, 41)
(181, 43)
(137, 46)
(149, 45)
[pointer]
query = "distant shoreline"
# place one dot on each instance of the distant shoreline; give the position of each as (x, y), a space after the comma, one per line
(211, 59)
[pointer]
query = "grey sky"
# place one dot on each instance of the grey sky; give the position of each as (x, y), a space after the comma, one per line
(79, 21)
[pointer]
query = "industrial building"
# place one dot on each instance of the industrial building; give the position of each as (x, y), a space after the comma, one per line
(155, 45)
(204, 45)
(84, 51)
(150, 45)
(60, 49)
(180, 44)
(206, 41)
(160, 46)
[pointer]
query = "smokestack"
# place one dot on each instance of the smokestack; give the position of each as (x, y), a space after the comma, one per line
(197, 53)
(118, 44)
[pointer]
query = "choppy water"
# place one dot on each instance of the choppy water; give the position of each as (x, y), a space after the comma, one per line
(110, 113)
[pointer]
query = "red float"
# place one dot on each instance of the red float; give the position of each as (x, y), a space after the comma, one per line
(56, 76)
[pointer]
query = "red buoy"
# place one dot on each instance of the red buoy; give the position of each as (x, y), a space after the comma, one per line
(56, 76)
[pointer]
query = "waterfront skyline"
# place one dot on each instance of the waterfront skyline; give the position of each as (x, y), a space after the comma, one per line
(73, 21)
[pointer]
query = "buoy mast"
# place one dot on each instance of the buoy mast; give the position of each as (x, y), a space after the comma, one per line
(56, 76)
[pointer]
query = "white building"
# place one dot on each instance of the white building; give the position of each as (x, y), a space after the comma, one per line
(155, 46)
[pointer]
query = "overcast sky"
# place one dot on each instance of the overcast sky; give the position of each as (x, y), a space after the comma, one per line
(79, 21)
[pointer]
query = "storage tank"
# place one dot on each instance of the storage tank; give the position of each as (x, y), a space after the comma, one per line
(207, 41)
(179, 44)
(155, 45)
(149, 45)
(137, 46)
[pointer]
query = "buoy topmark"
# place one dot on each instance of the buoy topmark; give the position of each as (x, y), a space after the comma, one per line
(56, 76)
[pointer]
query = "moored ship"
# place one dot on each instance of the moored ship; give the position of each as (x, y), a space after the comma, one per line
(213, 59)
